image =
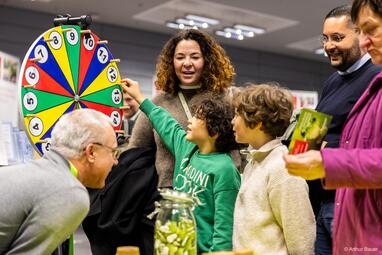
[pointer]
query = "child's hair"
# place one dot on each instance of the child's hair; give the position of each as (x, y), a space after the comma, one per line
(268, 104)
(217, 111)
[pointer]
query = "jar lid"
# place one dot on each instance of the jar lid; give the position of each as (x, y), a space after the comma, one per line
(127, 250)
(175, 195)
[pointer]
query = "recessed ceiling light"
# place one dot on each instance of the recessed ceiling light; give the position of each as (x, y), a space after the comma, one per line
(230, 33)
(175, 25)
(240, 32)
(172, 25)
(192, 21)
(201, 19)
(250, 34)
(320, 51)
(256, 30)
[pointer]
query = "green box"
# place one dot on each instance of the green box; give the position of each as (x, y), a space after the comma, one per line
(310, 131)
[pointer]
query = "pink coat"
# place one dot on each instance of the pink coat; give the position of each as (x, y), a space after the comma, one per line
(355, 170)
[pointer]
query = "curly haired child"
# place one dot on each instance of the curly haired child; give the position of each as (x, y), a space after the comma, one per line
(203, 166)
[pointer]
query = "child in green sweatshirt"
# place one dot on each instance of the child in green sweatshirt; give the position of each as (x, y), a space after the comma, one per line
(203, 165)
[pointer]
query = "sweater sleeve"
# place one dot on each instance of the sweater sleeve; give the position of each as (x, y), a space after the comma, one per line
(289, 200)
(223, 220)
(225, 193)
(169, 130)
(355, 168)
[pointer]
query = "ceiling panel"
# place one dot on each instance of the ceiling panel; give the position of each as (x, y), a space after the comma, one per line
(293, 25)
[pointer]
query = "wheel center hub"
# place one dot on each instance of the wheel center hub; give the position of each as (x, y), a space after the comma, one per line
(76, 98)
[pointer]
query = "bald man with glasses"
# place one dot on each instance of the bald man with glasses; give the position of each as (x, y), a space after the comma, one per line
(43, 201)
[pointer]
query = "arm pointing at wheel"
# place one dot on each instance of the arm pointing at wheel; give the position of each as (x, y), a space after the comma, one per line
(133, 89)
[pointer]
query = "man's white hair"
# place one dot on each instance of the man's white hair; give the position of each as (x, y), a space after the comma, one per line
(75, 130)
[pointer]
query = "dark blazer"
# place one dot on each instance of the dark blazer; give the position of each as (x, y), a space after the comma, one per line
(118, 212)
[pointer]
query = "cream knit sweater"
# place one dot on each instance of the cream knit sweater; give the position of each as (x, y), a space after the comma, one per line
(272, 214)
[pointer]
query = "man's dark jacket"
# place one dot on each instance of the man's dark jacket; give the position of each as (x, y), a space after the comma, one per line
(118, 212)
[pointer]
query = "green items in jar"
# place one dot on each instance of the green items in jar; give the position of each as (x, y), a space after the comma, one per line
(175, 238)
(175, 228)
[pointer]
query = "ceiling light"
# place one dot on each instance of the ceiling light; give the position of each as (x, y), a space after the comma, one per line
(183, 21)
(221, 33)
(172, 25)
(240, 32)
(192, 21)
(230, 30)
(249, 34)
(179, 26)
(176, 25)
(320, 51)
(201, 19)
(230, 33)
(244, 28)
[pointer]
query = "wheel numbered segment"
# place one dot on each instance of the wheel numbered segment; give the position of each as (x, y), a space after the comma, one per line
(65, 70)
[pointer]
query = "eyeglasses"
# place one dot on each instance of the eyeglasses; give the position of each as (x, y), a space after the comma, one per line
(334, 38)
(115, 151)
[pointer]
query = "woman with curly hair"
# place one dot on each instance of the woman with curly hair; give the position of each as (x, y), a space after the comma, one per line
(190, 64)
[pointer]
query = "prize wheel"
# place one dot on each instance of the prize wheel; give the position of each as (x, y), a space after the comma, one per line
(65, 69)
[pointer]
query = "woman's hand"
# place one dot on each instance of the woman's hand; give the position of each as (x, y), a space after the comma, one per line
(307, 165)
(133, 89)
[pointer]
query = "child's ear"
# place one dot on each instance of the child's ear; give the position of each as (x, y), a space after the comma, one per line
(259, 126)
(213, 132)
(215, 136)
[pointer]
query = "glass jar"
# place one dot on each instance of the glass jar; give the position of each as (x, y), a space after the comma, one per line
(175, 228)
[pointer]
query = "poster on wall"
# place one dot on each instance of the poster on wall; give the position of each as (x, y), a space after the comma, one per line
(9, 71)
(9, 68)
(304, 99)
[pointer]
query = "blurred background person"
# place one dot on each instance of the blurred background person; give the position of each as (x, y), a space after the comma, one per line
(130, 110)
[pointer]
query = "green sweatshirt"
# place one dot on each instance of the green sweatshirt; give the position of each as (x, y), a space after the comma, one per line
(212, 180)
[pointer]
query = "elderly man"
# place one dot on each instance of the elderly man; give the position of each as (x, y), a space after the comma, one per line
(43, 202)
(355, 168)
